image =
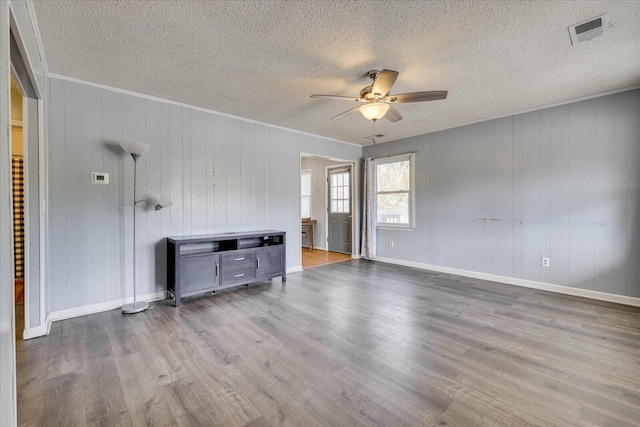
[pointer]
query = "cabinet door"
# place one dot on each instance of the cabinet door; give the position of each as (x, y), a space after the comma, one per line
(269, 262)
(199, 272)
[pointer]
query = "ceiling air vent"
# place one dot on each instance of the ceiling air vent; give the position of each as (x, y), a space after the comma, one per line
(589, 29)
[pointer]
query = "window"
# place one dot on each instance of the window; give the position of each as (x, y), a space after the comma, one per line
(340, 192)
(394, 186)
(305, 193)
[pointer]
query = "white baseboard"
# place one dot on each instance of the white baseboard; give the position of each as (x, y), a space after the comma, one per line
(53, 316)
(585, 293)
(357, 256)
(84, 310)
(103, 306)
(37, 331)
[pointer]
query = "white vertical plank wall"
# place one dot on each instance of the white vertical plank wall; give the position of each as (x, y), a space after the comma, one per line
(562, 182)
(221, 173)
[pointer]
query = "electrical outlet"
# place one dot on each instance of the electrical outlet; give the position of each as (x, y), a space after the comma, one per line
(390, 243)
(545, 262)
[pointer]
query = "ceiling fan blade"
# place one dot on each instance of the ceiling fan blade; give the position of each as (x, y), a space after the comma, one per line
(393, 115)
(341, 115)
(433, 95)
(382, 84)
(342, 98)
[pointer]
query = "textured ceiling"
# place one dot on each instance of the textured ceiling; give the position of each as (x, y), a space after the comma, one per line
(262, 59)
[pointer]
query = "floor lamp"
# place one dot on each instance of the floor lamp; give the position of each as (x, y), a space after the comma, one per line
(137, 149)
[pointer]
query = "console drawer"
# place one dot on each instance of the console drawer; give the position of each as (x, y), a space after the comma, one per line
(238, 275)
(237, 259)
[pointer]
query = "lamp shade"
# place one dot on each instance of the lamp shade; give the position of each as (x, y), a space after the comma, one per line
(374, 110)
(161, 202)
(135, 148)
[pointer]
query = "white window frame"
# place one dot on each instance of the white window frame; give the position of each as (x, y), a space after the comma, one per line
(412, 191)
(335, 170)
(302, 172)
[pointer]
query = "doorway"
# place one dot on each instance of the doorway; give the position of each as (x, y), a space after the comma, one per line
(27, 187)
(18, 204)
(327, 204)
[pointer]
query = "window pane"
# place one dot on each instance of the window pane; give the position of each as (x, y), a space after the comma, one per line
(334, 206)
(340, 193)
(393, 176)
(393, 208)
(305, 184)
(305, 208)
(334, 180)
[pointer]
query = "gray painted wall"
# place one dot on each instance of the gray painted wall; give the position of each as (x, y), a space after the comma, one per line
(222, 174)
(318, 196)
(561, 182)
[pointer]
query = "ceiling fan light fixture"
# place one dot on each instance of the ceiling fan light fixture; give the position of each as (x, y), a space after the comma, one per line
(374, 110)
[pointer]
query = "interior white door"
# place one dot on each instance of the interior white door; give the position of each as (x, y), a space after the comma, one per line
(339, 209)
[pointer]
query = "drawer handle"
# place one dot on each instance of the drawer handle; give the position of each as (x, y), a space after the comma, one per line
(217, 270)
(258, 263)
(238, 259)
(238, 275)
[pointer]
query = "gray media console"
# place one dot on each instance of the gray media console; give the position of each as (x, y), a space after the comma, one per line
(200, 264)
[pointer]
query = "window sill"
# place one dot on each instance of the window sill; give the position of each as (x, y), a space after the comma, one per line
(398, 228)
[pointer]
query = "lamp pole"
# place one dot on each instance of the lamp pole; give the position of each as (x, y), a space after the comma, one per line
(135, 307)
(135, 179)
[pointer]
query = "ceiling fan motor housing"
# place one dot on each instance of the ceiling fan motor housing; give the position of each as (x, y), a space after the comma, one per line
(365, 93)
(376, 98)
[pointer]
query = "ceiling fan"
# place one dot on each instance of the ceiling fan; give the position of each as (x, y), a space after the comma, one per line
(376, 98)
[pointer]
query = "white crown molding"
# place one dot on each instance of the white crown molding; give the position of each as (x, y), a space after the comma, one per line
(193, 107)
(542, 107)
(585, 293)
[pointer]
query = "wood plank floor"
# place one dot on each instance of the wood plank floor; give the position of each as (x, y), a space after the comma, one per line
(319, 257)
(19, 316)
(19, 291)
(346, 344)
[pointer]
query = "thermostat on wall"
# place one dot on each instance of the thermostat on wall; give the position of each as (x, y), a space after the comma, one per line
(99, 178)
